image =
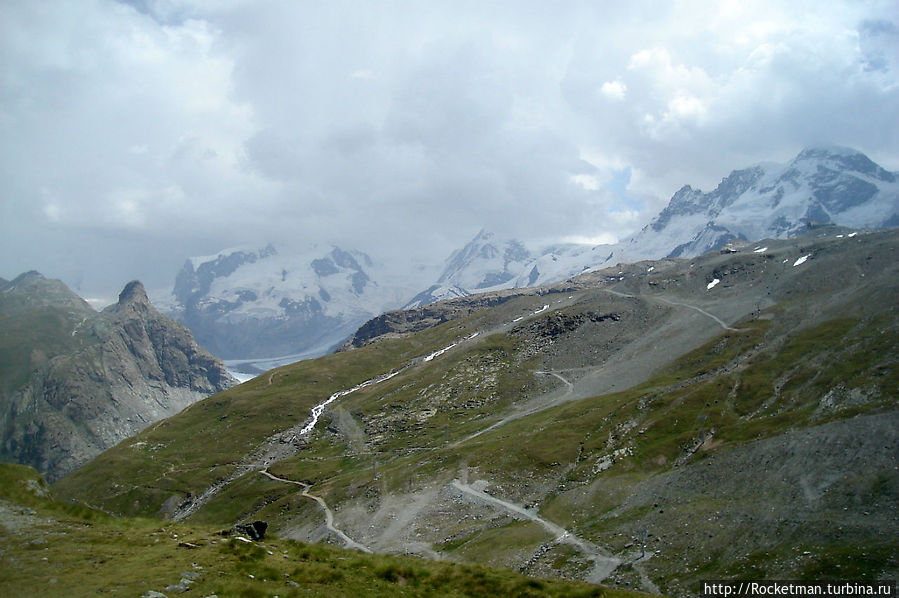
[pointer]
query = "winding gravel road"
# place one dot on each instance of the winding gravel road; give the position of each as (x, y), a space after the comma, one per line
(329, 515)
(603, 562)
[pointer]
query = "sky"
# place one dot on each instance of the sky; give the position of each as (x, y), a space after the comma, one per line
(136, 134)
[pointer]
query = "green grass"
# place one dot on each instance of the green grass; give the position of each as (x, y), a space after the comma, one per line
(203, 443)
(60, 552)
(28, 340)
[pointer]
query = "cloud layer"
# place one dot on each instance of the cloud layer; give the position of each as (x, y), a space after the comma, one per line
(136, 134)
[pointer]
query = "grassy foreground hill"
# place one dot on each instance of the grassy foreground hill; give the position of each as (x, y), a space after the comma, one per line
(651, 425)
(56, 549)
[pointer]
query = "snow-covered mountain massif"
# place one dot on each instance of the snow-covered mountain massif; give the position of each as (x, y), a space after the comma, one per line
(830, 185)
(255, 304)
(271, 307)
(826, 185)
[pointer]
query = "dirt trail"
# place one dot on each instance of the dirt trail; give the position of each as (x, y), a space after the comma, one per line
(717, 320)
(543, 402)
(603, 562)
(627, 368)
(329, 515)
(277, 447)
(570, 387)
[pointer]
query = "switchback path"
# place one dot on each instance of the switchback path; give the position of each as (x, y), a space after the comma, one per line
(603, 562)
(524, 412)
(569, 387)
(717, 320)
(329, 515)
(277, 447)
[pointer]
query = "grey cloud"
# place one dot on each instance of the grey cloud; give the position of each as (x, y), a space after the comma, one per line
(136, 134)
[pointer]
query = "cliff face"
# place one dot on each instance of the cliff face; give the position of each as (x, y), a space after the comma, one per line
(82, 381)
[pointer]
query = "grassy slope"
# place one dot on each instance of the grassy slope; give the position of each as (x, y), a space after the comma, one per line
(29, 337)
(784, 372)
(55, 549)
(189, 452)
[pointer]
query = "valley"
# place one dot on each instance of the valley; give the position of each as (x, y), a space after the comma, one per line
(633, 398)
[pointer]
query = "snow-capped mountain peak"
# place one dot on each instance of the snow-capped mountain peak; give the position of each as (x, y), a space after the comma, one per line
(484, 262)
(262, 303)
(821, 185)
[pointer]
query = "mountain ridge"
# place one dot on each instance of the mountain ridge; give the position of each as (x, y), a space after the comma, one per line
(821, 185)
(244, 303)
(76, 381)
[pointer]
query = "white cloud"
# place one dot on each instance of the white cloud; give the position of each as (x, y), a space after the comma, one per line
(601, 239)
(614, 90)
(586, 181)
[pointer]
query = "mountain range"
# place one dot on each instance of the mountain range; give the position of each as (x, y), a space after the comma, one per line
(820, 186)
(249, 304)
(74, 382)
(649, 425)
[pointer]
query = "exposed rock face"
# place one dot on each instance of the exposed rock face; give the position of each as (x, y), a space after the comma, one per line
(412, 320)
(77, 381)
(254, 530)
(821, 185)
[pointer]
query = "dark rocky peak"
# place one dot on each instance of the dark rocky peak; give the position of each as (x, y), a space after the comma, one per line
(29, 278)
(515, 252)
(734, 185)
(134, 293)
(337, 259)
(483, 236)
(192, 283)
(686, 196)
(834, 153)
(481, 247)
(345, 259)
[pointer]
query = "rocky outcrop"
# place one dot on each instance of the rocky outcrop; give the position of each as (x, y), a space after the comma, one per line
(78, 381)
(254, 531)
(406, 321)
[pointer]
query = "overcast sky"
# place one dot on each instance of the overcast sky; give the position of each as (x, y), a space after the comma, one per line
(135, 134)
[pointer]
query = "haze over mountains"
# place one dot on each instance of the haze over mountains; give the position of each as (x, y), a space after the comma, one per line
(825, 185)
(256, 303)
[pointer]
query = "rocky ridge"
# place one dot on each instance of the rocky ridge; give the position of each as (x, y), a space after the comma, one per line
(77, 381)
